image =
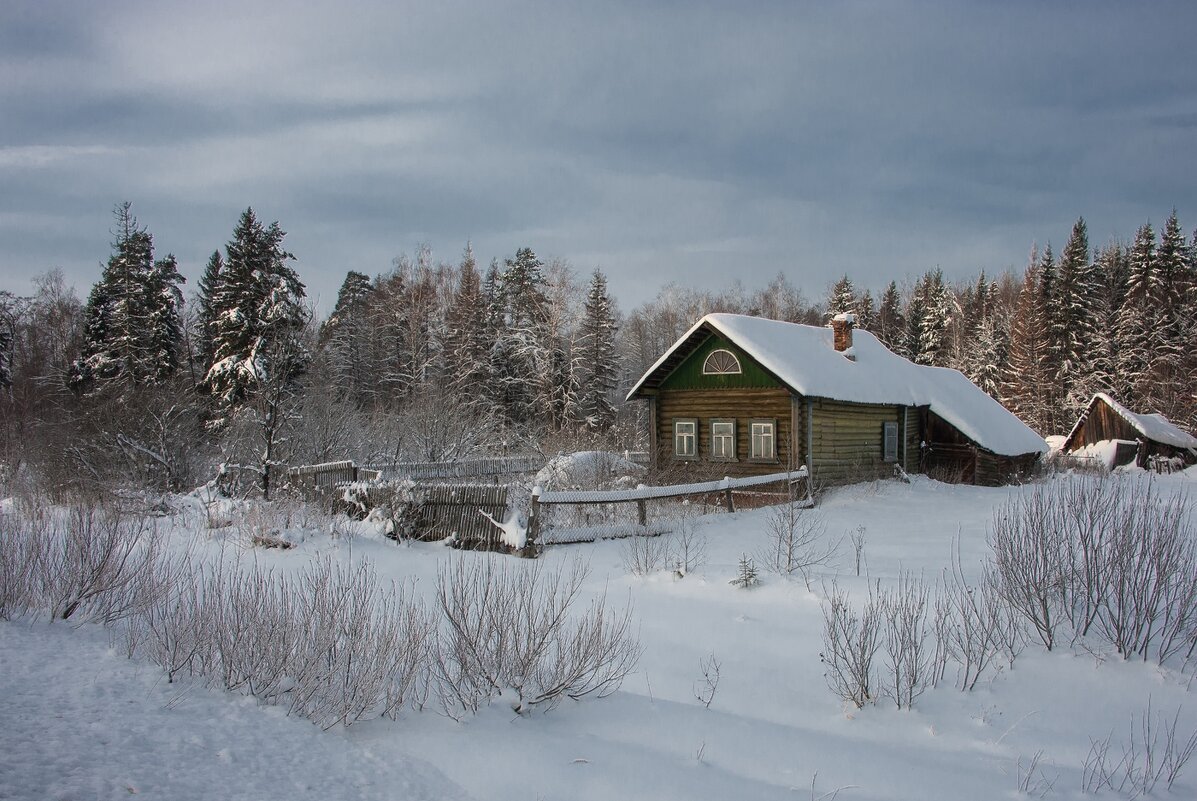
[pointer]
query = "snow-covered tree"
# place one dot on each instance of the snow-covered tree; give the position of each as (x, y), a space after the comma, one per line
(469, 339)
(1026, 379)
(842, 298)
(927, 317)
(258, 315)
(132, 328)
(891, 323)
(345, 339)
(1138, 319)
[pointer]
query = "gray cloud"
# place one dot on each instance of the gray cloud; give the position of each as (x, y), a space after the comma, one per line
(665, 142)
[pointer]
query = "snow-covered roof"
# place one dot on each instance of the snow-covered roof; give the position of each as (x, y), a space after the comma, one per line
(1154, 427)
(804, 358)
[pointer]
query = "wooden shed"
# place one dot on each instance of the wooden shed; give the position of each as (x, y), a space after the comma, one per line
(1159, 442)
(745, 395)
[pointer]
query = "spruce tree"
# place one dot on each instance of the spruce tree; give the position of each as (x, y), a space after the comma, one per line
(1024, 388)
(842, 298)
(469, 343)
(596, 356)
(890, 321)
(1073, 323)
(1138, 320)
(209, 289)
(523, 348)
(132, 328)
(258, 315)
(345, 338)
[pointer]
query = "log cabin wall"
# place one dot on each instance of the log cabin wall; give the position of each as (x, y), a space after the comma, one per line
(741, 405)
(847, 441)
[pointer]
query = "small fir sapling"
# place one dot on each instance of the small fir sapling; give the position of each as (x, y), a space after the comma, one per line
(746, 577)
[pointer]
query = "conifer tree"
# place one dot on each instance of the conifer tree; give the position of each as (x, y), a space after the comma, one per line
(132, 329)
(523, 348)
(598, 372)
(469, 344)
(890, 322)
(1024, 388)
(1073, 323)
(842, 297)
(866, 312)
(257, 315)
(345, 337)
(1138, 320)
(209, 288)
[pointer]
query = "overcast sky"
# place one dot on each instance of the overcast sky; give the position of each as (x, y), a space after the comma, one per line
(661, 141)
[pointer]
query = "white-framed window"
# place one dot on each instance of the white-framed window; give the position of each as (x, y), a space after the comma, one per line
(723, 440)
(685, 439)
(889, 442)
(763, 443)
(721, 362)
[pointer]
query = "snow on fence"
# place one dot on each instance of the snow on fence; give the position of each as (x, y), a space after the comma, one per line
(329, 474)
(466, 468)
(587, 515)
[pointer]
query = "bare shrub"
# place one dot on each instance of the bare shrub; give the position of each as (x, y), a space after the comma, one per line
(507, 629)
(976, 623)
(850, 644)
(857, 537)
(99, 562)
(909, 658)
(1098, 555)
(1152, 752)
(687, 548)
(359, 651)
(707, 685)
(645, 554)
(796, 541)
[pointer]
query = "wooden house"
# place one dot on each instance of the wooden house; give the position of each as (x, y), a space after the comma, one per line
(1110, 431)
(745, 395)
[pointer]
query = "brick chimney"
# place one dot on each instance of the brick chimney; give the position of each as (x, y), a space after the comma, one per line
(841, 326)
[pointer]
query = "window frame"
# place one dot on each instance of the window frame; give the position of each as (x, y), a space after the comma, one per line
(715, 438)
(693, 434)
(886, 456)
(739, 367)
(752, 439)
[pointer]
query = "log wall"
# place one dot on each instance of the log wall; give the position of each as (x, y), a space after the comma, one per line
(741, 405)
(847, 441)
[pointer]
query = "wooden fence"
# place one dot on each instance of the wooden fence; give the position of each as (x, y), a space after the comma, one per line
(329, 474)
(604, 524)
(496, 467)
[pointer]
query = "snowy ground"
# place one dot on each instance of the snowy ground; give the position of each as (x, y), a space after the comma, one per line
(78, 720)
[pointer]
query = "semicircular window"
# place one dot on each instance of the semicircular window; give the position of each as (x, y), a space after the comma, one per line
(721, 362)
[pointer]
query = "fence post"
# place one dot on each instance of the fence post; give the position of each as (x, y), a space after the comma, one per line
(642, 512)
(533, 523)
(731, 504)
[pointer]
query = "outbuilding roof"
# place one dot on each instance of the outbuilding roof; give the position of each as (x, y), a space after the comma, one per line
(1154, 427)
(804, 358)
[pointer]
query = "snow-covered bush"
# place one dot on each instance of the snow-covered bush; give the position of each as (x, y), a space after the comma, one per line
(589, 470)
(510, 630)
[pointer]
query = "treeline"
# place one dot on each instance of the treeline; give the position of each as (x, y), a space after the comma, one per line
(427, 361)
(434, 360)
(1121, 318)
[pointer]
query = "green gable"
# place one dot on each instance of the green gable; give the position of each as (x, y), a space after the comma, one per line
(689, 375)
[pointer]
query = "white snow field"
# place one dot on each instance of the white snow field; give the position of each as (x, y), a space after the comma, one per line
(80, 721)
